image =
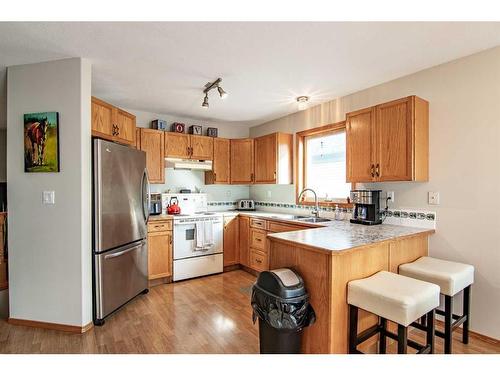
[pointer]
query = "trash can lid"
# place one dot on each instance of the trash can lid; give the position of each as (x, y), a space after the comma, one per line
(282, 282)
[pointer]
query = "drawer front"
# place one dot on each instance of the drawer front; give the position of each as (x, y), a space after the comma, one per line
(280, 227)
(258, 239)
(159, 226)
(258, 260)
(257, 223)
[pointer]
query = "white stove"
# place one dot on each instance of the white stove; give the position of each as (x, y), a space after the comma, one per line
(198, 237)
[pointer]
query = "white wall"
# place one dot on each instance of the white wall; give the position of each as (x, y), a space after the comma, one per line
(464, 97)
(3, 155)
(49, 245)
(175, 180)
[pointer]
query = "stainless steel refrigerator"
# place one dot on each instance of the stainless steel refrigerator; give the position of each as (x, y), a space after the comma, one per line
(121, 210)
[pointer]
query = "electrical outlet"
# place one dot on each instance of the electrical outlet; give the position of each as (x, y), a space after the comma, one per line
(269, 193)
(228, 193)
(433, 197)
(49, 197)
(390, 196)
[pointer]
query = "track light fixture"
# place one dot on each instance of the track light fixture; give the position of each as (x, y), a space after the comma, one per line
(212, 85)
(205, 102)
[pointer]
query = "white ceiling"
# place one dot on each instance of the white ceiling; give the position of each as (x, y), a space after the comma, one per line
(162, 67)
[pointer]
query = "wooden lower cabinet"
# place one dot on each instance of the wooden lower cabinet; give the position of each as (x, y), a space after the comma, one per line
(159, 250)
(244, 229)
(231, 241)
(259, 261)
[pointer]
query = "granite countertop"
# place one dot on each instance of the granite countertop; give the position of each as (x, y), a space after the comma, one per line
(335, 236)
(338, 236)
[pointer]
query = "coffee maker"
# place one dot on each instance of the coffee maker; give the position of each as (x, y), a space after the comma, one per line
(366, 207)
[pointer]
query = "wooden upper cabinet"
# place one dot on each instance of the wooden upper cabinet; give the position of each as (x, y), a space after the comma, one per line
(393, 141)
(221, 162)
(359, 150)
(389, 142)
(125, 127)
(188, 146)
(102, 117)
(202, 148)
(152, 142)
(112, 123)
(273, 159)
(177, 145)
(231, 241)
(242, 161)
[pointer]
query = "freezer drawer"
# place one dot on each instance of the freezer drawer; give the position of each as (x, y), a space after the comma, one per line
(199, 266)
(120, 275)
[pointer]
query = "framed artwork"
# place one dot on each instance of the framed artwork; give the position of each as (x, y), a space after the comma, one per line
(41, 142)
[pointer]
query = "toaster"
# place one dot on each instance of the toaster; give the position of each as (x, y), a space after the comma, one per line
(246, 205)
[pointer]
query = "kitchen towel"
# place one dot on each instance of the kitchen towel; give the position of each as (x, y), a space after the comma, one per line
(208, 233)
(200, 234)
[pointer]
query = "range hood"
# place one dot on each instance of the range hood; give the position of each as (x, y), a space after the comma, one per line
(204, 165)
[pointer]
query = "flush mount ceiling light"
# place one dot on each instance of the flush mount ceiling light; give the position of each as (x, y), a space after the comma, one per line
(212, 85)
(302, 102)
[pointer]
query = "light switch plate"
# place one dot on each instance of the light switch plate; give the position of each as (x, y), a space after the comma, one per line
(433, 197)
(49, 197)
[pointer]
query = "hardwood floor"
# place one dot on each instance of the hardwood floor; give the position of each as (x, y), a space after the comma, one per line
(206, 315)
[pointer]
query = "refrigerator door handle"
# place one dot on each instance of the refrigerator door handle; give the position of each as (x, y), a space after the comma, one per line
(146, 195)
(120, 253)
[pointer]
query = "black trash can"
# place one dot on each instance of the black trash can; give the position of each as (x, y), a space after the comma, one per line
(280, 301)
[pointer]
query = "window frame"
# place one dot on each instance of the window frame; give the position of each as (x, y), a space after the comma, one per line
(300, 167)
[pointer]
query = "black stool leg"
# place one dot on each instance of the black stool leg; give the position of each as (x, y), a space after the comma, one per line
(353, 329)
(383, 337)
(448, 311)
(430, 329)
(423, 320)
(402, 339)
(466, 312)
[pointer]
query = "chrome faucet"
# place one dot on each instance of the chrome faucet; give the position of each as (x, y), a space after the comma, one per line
(316, 210)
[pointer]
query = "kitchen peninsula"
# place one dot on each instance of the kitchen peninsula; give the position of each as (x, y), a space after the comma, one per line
(328, 258)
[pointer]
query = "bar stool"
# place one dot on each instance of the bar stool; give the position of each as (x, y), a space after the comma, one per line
(452, 278)
(393, 297)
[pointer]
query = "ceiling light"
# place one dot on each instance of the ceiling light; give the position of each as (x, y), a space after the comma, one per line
(222, 93)
(205, 102)
(302, 102)
(212, 85)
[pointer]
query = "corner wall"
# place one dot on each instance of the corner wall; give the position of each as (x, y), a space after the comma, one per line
(464, 149)
(49, 245)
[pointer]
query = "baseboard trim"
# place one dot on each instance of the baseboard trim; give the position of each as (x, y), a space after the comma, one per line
(52, 326)
(478, 336)
(232, 267)
(249, 270)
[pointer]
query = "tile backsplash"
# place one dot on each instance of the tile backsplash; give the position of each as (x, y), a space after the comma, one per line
(411, 217)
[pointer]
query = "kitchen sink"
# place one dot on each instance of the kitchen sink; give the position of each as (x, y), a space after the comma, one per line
(313, 219)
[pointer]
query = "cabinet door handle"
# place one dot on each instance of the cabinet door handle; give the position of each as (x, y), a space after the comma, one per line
(258, 261)
(377, 170)
(251, 177)
(372, 169)
(275, 175)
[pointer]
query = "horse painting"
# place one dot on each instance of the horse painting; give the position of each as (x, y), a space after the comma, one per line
(37, 135)
(41, 143)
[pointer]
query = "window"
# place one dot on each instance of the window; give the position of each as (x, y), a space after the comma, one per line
(322, 163)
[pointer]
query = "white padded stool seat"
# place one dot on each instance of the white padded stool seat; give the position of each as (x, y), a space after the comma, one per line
(452, 277)
(394, 297)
